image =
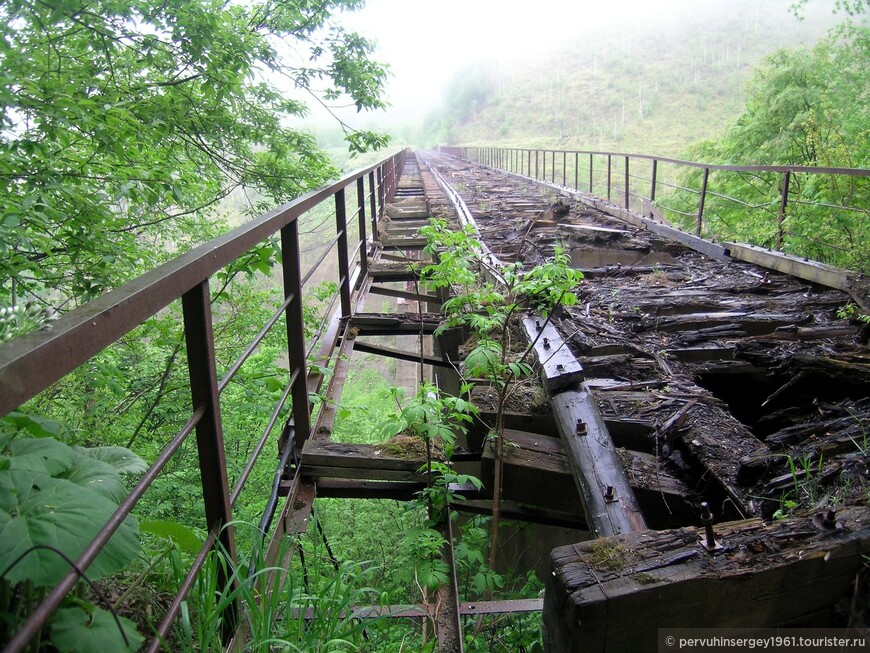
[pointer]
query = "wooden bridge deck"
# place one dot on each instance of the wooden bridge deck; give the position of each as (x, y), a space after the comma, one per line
(708, 376)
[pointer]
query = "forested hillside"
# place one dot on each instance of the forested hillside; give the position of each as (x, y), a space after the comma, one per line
(655, 87)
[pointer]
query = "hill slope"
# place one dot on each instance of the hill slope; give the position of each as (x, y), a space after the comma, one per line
(656, 87)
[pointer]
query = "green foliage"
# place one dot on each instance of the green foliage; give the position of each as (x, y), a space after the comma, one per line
(803, 108)
(84, 629)
(652, 86)
(124, 123)
(17, 320)
(434, 417)
(422, 564)
(279, 618)
(52, 495)
(53, 500)
(851, 312)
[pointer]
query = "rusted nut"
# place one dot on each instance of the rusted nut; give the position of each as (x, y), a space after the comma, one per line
(581, 427)
(560, 367)
(610, 494)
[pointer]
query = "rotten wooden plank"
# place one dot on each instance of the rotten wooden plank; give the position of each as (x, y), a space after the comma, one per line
(614, 594)
(390, 324)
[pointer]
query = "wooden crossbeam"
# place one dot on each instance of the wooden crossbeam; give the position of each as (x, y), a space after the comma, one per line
(607, 497)
(404, 294)
(410, 356)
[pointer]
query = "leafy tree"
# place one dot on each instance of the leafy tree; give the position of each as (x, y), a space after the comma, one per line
(122, 123)
(805, 107)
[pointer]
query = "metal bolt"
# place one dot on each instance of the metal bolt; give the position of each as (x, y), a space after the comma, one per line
(560, 367)
(546, 343)
(610, 495)
(707, 520)
(826, 520)
(581, 427)
(538, 325)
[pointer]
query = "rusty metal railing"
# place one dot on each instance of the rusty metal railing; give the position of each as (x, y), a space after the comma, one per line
(31, 363)
(661, 187)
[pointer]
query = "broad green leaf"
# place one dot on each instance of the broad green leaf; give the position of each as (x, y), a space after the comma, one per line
(184, 537)
(75, 630)
(36, 509)
(45, 455)
(121, 459)
(36, 426)
(97, 476)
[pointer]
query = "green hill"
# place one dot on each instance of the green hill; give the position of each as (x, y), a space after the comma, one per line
(656, 87)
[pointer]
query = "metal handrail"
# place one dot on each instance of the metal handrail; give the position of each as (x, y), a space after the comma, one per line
(542, 164)
(31, 363)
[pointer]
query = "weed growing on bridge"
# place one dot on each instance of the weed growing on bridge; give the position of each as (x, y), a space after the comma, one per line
(485, 302)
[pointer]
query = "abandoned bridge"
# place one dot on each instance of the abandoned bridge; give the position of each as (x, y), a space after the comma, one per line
(693, 386)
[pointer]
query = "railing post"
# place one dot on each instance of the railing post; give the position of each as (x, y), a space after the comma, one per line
(372, 207)
(627, 180)
(536, 164)
(199, 337)
(577, 171)
(363, 249)
(529, 158)
(295, 332)
(380, 190)
(553, 167)
(700, 220)
(544, 157)
(652, 190)
(343, 267)
(564, 168)
(590, 172)
(609, 167)
(786, 180)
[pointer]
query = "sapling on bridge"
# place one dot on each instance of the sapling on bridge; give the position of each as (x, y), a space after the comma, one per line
(485, 301)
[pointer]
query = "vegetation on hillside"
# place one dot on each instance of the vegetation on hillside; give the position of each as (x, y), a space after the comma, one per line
(805, 107)
(654, 88)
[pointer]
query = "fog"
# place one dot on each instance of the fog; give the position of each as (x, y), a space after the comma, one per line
(427, 42)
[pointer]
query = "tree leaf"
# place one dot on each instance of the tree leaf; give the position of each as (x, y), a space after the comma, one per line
(45, 455)
(186, 539)
(97, 476)
(74, 630)
(36, 509)
(121, 459)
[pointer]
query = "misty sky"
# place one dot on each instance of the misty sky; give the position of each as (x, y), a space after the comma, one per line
(426, 41)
